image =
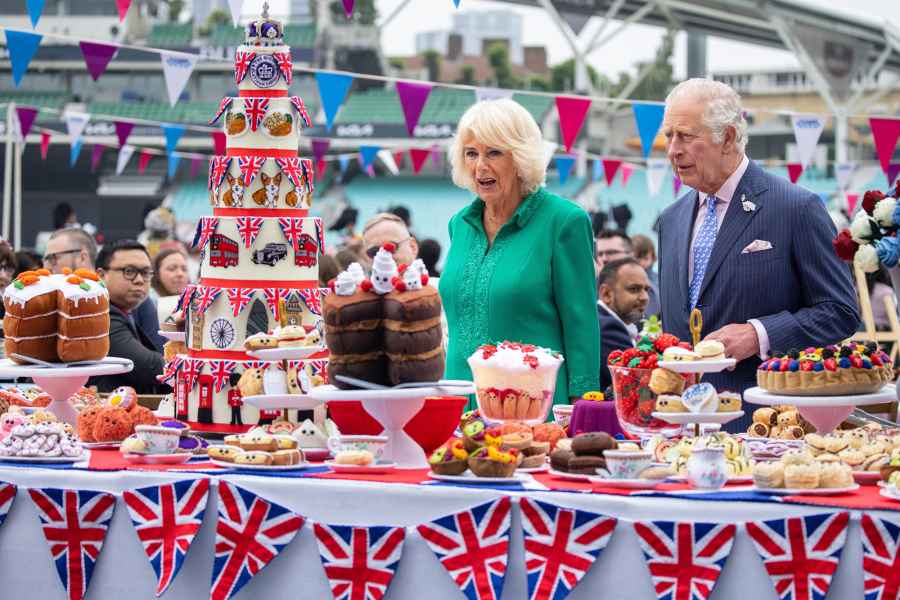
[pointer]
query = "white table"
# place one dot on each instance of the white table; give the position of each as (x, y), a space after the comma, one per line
(621, 573)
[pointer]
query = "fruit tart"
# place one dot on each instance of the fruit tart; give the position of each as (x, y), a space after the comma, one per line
(449, 459)
(491, 461)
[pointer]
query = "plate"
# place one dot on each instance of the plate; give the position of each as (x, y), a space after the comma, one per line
(683, 418)
(173, 336)
(292, 353)
(628, 484)
(330, 393)
(570, 476)
(697, 366)
(43, 459)
(889, 492)
(101, 445)
(757, 395)
(228, 465)
(866, 477)
(469, 477)
(736, 479)
(385, 467)
(176, 458)
(283, 401)
(805, 492)
(541, 469)
(108, 366)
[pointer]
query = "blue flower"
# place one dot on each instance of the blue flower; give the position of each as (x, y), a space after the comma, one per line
(887, 250)
(896, 214)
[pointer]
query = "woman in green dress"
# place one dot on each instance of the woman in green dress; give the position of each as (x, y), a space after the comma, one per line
(520, 265)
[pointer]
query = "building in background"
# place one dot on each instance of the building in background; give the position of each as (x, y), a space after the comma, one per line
(473, 32)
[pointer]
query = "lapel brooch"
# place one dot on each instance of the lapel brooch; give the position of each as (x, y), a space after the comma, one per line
(748, 206)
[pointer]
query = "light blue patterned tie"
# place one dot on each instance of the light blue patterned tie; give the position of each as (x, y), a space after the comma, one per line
(703, 245)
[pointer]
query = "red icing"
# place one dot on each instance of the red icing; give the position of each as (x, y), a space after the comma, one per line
(366, 285)
(531, 360)
(390, 247)
(401, 268)
(424, 278)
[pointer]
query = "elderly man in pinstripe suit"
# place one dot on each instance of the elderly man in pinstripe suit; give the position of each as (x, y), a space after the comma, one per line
(749, 249)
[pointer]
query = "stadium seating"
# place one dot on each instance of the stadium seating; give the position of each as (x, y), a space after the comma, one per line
(55, 100)
(171, 35)
(182, 112)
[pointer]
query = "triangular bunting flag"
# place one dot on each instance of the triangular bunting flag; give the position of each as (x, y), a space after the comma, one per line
(473, 547)
(807, 130)
(320, 234)
(794, 171)
(45, 143)
(236, 7)
(676, 184)
(221, 371)
(166, 518)
(239, 298)
(74, 524)
(7, 497)
(273, 296)
(196, 163)
(321, 166)
(172, 168)
(572, 112)
(286, 66)
(610, 168)
(123, 5)
(387, 158)
(292, 228)
(75, 152)
(333, 88)
(206, 227)
(242, 60)
(626, 169)
(143, 160)
(801, 554)
(359, 562)
(549, 151)
(648, 118)
(319, 148)
(456, 3)
(892, 171)
(564, 165)
(300, 107)
(123, 130)
(367, 155)
(97, 57)
(885, 132)
(219, 141)
(26, 119)
(561, 544)
(177, 69)
(313, 300)
(173, 134)
(190, 370)
(125, 153)
(223, 106)
(22, 46)
(596, 170)
(250, 166)
(75, 124)
(881, 556)
(418, 156)
(413, 97)
(843, 172)
(255, 109)
(398, 156)
(348, 8)
(852, 200)
(294, 168)
(35, 8)
(205, 296)
(656, 171)
(685, 559)
(484, 93)
(96, 155)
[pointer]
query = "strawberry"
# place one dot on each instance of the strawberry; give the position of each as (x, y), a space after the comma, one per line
(830, 364)
(614, 357)
(424, 278)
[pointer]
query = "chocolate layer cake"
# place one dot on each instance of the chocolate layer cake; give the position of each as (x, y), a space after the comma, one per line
(412, 335)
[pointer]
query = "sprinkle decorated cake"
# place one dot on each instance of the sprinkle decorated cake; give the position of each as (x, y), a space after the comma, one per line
(56, 318)
(829, 371)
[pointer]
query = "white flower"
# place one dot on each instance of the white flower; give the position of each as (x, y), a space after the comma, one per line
(884, 211)
(866, 258)
(861, 228)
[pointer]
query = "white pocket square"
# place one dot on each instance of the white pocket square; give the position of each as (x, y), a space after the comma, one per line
(757, 246)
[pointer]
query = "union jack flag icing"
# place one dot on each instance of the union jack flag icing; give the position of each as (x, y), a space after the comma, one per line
(191, 368)
(242, 62)
(187, 296)
(801, 554)
(221, 370)
(255, 108)
(320, 234)
(248, 228)
(285, 65)
(881, 558)
(561, 544)
(74, 523)
(319, 367)
(473, 546)
(7, 497)
(205, 228)
(166, 519)
(297, 101)
(294, 168)
(251, 531)
(359, 562)
(205, 296)
(218, 167)
(239, 298)
(312, 299)
(170, 371)
(685, 559)
(223, 106)
(250, 166)
(273, 295)
(256, 364)
(292, 228)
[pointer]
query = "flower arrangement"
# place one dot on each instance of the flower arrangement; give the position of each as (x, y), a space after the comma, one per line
(871, 239)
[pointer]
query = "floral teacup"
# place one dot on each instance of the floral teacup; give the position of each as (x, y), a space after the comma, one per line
(158, 439)
(355, 443)
(627, 464)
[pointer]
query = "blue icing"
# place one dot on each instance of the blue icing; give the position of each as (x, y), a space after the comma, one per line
(794, 365)
(818, 367)
(775, 366)
(844, 363)
(698, 394)
(867, 364)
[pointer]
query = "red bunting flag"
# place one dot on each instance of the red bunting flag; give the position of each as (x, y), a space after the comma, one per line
(45, 143)
(794, 171)
(418, 156)
(413, 97)
(122, 5)
(143, 161)
(610, 167)
(572, 113)
(881, 557)
(97, 57)
(219, 142)
(398, 158)
(885, 132)
(320, 168)
(627, 169)
(852, 199)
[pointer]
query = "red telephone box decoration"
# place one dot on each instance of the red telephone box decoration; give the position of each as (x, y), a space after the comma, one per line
(182, 391)
(204, 411)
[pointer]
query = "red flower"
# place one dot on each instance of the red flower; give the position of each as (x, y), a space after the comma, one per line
(870, 199)
(844, 246)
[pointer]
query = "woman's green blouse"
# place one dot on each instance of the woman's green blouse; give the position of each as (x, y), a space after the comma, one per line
(535, 284)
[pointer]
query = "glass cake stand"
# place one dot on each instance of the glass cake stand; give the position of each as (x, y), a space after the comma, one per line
(393, 409)
(61, 382)
(824, 412)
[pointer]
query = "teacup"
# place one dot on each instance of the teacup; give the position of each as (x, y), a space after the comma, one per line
(159, 440)
(562, 414)
(627, 464)
(355, 443)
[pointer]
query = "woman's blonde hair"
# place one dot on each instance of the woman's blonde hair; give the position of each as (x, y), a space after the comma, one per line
(503, 124)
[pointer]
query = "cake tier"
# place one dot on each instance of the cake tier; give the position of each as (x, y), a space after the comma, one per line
(263, 69)
(263, 123)
(272, 183)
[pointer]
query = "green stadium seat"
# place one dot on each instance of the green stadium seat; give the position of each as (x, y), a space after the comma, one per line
(171, 35)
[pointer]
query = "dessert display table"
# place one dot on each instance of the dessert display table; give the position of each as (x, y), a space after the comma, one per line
(824, 412)
(62, 382)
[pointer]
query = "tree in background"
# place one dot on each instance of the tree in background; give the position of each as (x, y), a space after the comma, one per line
(498, 58)
(432, 60)
(467, 75)
(175, 8)
(562, 77)
(539, 84)
(215, 18)
(658, 80)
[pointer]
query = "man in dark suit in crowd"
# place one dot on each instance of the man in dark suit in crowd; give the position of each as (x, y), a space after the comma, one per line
(624, 290)
(126, 269)
(749, 249)
(613, 244)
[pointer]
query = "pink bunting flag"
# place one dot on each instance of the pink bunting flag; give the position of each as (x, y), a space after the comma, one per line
(892, 172)
(123, 130)
(610, 167)
(196, 163)
(26, 119)
(852, 199)
(96, 155)
(97, 57)
(413, 97)
(572, 112)
(436, 156)
(348, 8)
(794, 171)
(218, 142)
(45, 144)
(123, 5)
(321, 165)
(626, 169)
(418, 156)
(885, 132)
(676, 184)
(143, 161)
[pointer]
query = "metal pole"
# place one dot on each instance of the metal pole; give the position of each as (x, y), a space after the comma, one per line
(7, 169)
(840, 135)
(17, 193)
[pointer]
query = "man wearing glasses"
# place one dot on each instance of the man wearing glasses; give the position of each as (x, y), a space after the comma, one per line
(70, 248)
(126, 269)
(384, 228)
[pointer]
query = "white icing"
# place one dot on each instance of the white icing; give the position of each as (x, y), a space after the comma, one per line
(271, 169)
(384, 268)
(345, 284)
(355, 269)
(84, 337)
(412, 277)
(507, 369)
(47, 284)
(259, 139)
(247, 83)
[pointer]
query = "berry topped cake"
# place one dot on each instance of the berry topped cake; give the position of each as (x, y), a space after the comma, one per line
(842, 369)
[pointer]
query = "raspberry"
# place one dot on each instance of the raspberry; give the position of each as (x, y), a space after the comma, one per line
(666, 340)
(531, 360)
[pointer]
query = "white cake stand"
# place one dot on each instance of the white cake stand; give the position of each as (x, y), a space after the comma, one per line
(283, 401)
(61, 383)
(685, 418)
(697, 366)
(393, 409)
(174, 336)
(292, 353)
(824, 412)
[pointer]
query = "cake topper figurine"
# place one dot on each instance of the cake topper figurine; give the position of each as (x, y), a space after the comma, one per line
(265, 10)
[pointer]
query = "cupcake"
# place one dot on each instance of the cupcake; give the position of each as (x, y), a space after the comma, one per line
(490, 461)
(449, 459)
(835, 475)
(801, 476)
(769, 474)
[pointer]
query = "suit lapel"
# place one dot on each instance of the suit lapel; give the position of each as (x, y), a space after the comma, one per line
(735, 222)
(685, 228)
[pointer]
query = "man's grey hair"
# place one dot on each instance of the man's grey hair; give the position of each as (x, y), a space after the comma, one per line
(81, 238)
(723, 108)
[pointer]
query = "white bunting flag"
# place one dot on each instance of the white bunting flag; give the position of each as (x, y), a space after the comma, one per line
(484, 93)
(549, 151)
(843, 172)
(807, 129)
(236, 7)
(656, 171)
(177, 69)
(75, 124)
(388, 159)
(125, 153)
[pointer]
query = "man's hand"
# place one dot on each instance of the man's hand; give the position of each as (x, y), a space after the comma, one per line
(740, 341)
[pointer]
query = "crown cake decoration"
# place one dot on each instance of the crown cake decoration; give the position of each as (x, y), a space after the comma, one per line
(264, 31)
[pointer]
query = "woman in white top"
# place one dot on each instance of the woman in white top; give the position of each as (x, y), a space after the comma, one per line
(170, 277)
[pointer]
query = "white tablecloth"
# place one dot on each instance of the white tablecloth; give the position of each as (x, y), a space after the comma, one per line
(122, 571)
